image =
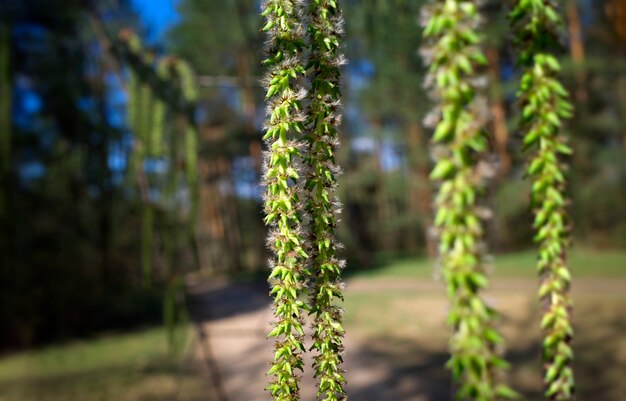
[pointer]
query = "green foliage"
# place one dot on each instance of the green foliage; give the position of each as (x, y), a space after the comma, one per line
(141, 119)
(283, 206)
(325, 31)
(453, 54)
(189, 94)
(545, 104)
(118, 366)
(158, 90)
(159, 111)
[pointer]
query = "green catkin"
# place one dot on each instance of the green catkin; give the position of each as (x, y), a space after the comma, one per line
(545, 103)
(453, 53)
(189, 94)
(156, 91)
(325, 30)
(159, 111)
(133, 123)
(283, 207)
(133, 45)
(141, 95)
(144, 129)
(143, 136)
(190, 97)
(140, 119)
(187, 81)
(133, 100)
(191, 155)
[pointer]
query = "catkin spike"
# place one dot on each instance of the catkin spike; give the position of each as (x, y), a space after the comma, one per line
(283, 206)
(453, 54)
(544, 105)
(324, 32)
(159, 110)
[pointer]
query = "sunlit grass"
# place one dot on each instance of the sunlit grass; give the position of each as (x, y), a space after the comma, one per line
(125, 367)
(584, 262)
(404, 326)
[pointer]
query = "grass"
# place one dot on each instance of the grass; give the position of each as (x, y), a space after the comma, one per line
(124, 367)
(405, 331)
(584, 263)
(404, 328)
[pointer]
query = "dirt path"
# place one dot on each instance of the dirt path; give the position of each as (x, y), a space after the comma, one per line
(235, 319)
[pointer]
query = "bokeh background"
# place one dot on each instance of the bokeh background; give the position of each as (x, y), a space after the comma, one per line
(78, 321)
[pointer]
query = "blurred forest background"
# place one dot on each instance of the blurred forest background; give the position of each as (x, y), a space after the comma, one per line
(73, 231)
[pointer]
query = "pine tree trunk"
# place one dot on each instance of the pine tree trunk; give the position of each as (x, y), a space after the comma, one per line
(500, 130)
(6, 275)
(210, 216)
(383, 208)
(420, 196)
(231, 211)
(577, 49)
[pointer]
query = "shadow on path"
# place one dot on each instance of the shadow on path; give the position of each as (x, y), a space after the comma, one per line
(232, 320)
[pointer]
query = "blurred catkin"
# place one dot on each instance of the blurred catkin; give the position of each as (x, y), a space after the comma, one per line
(453, 54)
(544, 105)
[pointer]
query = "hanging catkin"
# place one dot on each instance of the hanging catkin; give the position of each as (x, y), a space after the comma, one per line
(140, 100)
(325, 31)
(159, 109)
(133, 123)
(144, 129)
(453, 53)
(283, 207)
(545, 103)
(190, 97)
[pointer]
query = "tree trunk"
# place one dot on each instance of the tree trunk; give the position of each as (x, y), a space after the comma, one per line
(500, 130)
(420, 196)
(577, 48)
(383, 209)
(6, 275)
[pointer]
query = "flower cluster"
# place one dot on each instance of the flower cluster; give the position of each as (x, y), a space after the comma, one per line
(301, 179)
(453, 54)
(323, 117)
(283, 206)
(157, 89)
(545, 104)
